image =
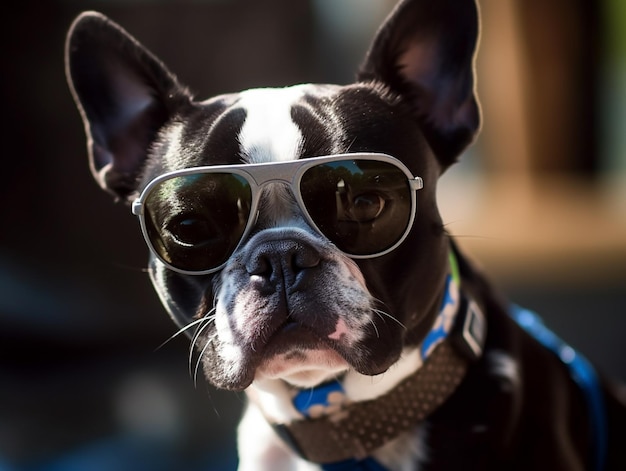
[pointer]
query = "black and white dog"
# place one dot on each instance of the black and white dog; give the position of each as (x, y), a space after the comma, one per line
(286, 238)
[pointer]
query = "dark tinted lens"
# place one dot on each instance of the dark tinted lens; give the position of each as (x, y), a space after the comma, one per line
(362, 206)
(196, 221)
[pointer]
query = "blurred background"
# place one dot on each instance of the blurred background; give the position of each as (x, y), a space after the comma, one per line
(539, 201)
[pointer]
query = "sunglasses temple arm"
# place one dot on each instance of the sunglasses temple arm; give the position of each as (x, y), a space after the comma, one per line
(416, 183)
(137, 208)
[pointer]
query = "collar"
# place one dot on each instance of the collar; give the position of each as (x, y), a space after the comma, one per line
(355, 430)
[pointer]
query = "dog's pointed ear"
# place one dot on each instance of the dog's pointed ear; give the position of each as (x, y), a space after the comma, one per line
(124, 94)
(425, 52)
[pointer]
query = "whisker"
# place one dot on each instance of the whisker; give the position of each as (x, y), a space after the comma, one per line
(375, 328)
(466, 236)
(386, 314)
(195, 372)
(207, 319)
(350, 145)
(177, 333)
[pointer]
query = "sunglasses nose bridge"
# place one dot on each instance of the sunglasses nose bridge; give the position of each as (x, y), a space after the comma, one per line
(264, 174)
(277, 196)
(274, 180)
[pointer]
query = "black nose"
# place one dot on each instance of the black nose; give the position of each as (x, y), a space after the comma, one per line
(285, 262)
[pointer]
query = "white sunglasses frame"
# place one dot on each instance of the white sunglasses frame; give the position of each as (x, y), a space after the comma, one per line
(260, 174)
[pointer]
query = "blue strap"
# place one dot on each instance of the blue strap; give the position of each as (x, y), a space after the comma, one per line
(582, 373)
(441, 330)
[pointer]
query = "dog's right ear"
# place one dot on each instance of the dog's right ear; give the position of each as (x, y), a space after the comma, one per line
(425, 52)
(124, 94)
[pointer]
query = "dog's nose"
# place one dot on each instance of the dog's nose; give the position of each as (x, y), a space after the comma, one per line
(282, 261)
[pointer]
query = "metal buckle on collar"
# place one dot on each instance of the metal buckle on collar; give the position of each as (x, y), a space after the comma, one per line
(470, 330)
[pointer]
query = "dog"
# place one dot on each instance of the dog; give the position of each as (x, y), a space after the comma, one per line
(287, 241)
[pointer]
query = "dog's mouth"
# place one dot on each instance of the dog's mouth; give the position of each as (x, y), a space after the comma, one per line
(306, 355)
(300, 356)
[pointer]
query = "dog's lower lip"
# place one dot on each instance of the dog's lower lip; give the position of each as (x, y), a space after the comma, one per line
(293, 335)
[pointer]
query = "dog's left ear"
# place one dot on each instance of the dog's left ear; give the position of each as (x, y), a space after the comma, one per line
(425, 52)
(125, 96)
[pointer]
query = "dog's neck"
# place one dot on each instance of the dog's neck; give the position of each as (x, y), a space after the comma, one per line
(276, 397)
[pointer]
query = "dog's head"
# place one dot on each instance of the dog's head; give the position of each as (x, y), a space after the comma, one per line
(289, 295)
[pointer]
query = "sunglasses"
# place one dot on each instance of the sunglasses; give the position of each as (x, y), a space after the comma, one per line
(194, 219)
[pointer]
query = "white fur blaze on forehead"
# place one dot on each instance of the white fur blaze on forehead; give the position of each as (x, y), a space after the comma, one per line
(269, 134)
